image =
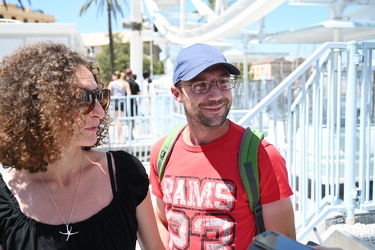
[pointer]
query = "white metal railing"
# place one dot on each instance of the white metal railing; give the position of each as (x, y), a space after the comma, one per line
(321, 118)
(326, 107)
(151, 121)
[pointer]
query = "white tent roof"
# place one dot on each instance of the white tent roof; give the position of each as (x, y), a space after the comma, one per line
(239, 15)
(238, 56)
(327, 31)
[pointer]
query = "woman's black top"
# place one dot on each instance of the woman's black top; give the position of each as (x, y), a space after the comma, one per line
(114, 227)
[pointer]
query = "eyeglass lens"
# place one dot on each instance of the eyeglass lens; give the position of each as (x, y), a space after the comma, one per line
(200, 87)
(90, 96)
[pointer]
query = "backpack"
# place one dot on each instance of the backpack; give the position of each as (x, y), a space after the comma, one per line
(247, 161)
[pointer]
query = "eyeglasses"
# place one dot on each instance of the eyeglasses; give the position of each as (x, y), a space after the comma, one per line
(201, 87)
(89, 97)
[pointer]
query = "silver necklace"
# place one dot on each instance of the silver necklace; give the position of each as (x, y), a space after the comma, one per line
(68, 232)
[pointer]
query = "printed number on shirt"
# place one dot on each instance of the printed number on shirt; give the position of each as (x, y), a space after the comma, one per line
(207, 201)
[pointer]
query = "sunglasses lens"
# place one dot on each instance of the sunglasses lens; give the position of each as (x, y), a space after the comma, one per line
(104, 98)
(89, 102)
(90, 96)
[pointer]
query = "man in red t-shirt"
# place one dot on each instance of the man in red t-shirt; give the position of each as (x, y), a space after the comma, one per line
(201, 202)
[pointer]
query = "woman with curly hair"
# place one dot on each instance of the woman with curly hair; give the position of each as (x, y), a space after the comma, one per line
(56, 191)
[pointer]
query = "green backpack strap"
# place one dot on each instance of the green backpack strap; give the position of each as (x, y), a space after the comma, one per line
(165, 149)
(248, 166)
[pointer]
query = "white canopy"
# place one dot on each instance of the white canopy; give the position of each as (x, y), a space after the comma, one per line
(327, 31)
(238, 56)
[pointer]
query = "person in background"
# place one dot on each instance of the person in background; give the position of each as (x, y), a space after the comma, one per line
(56, 190)
(119, 89)
(133, 101)
(201, 202)
(148, 89)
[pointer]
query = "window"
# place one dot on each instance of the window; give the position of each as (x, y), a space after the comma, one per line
(25, 20)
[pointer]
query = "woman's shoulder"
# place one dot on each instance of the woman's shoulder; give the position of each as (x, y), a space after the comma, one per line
(131, 174)
(126, 162)
(121, 155)
(9, 208)
(13, 180)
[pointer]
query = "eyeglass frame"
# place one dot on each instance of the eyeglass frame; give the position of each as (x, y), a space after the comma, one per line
(90, 96)
(208, 84)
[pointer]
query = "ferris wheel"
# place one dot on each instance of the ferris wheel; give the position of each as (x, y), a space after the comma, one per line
(186, 22)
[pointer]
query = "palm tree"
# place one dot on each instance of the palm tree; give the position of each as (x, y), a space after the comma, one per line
(112, 8)
(19, 1)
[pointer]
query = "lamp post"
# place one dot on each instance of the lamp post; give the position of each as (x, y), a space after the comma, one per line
(136, 41)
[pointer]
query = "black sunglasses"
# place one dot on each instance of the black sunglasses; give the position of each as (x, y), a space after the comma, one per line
(89, 97)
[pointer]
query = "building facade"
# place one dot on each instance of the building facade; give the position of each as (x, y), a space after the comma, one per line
(275, 70)
(15, 12)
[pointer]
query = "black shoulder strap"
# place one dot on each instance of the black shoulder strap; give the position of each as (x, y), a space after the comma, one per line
(111, 174)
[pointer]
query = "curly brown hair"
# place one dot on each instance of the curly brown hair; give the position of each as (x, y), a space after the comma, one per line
(39, 104)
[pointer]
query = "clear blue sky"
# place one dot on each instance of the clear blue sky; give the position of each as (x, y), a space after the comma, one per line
(67, 11)
(283, 18)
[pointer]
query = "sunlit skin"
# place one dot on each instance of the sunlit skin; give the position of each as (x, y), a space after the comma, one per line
(63, 175)
(207, 121)
(57, 181)
(87, 134)
(206, 113)
(85, 130)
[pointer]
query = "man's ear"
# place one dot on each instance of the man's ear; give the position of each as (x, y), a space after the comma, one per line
(176, 93)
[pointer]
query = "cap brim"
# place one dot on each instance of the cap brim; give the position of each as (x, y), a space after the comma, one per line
(196, 71)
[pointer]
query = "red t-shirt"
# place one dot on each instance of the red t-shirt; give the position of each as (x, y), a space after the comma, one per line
(206, 204)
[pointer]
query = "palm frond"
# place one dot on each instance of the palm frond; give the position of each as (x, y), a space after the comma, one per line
(86, 6)
(102, 6)
(112, 7)
(19, 1)
(5, 4)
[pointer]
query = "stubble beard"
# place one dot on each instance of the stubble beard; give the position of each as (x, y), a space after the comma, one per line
(210, 122)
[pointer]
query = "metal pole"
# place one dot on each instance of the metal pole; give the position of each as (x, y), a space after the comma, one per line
(245, 80)
(136, 42)
(182, 15)
(350, 133)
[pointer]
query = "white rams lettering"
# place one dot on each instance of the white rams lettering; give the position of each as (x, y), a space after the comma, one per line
(190, 192)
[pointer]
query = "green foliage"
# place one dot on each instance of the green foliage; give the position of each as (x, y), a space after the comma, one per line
(122, 59)
(211, 3)
(158, 67)
(113, 7)
(240, 67)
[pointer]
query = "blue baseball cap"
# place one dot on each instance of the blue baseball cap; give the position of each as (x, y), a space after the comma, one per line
(194, 59)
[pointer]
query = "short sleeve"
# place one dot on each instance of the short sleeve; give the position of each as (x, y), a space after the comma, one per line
(154, 178)
(131, 175)
(273, 175)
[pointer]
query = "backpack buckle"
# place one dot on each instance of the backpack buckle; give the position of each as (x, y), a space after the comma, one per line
(258, 210)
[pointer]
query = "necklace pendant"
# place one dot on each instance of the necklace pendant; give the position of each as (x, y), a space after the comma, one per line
(68, 232)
